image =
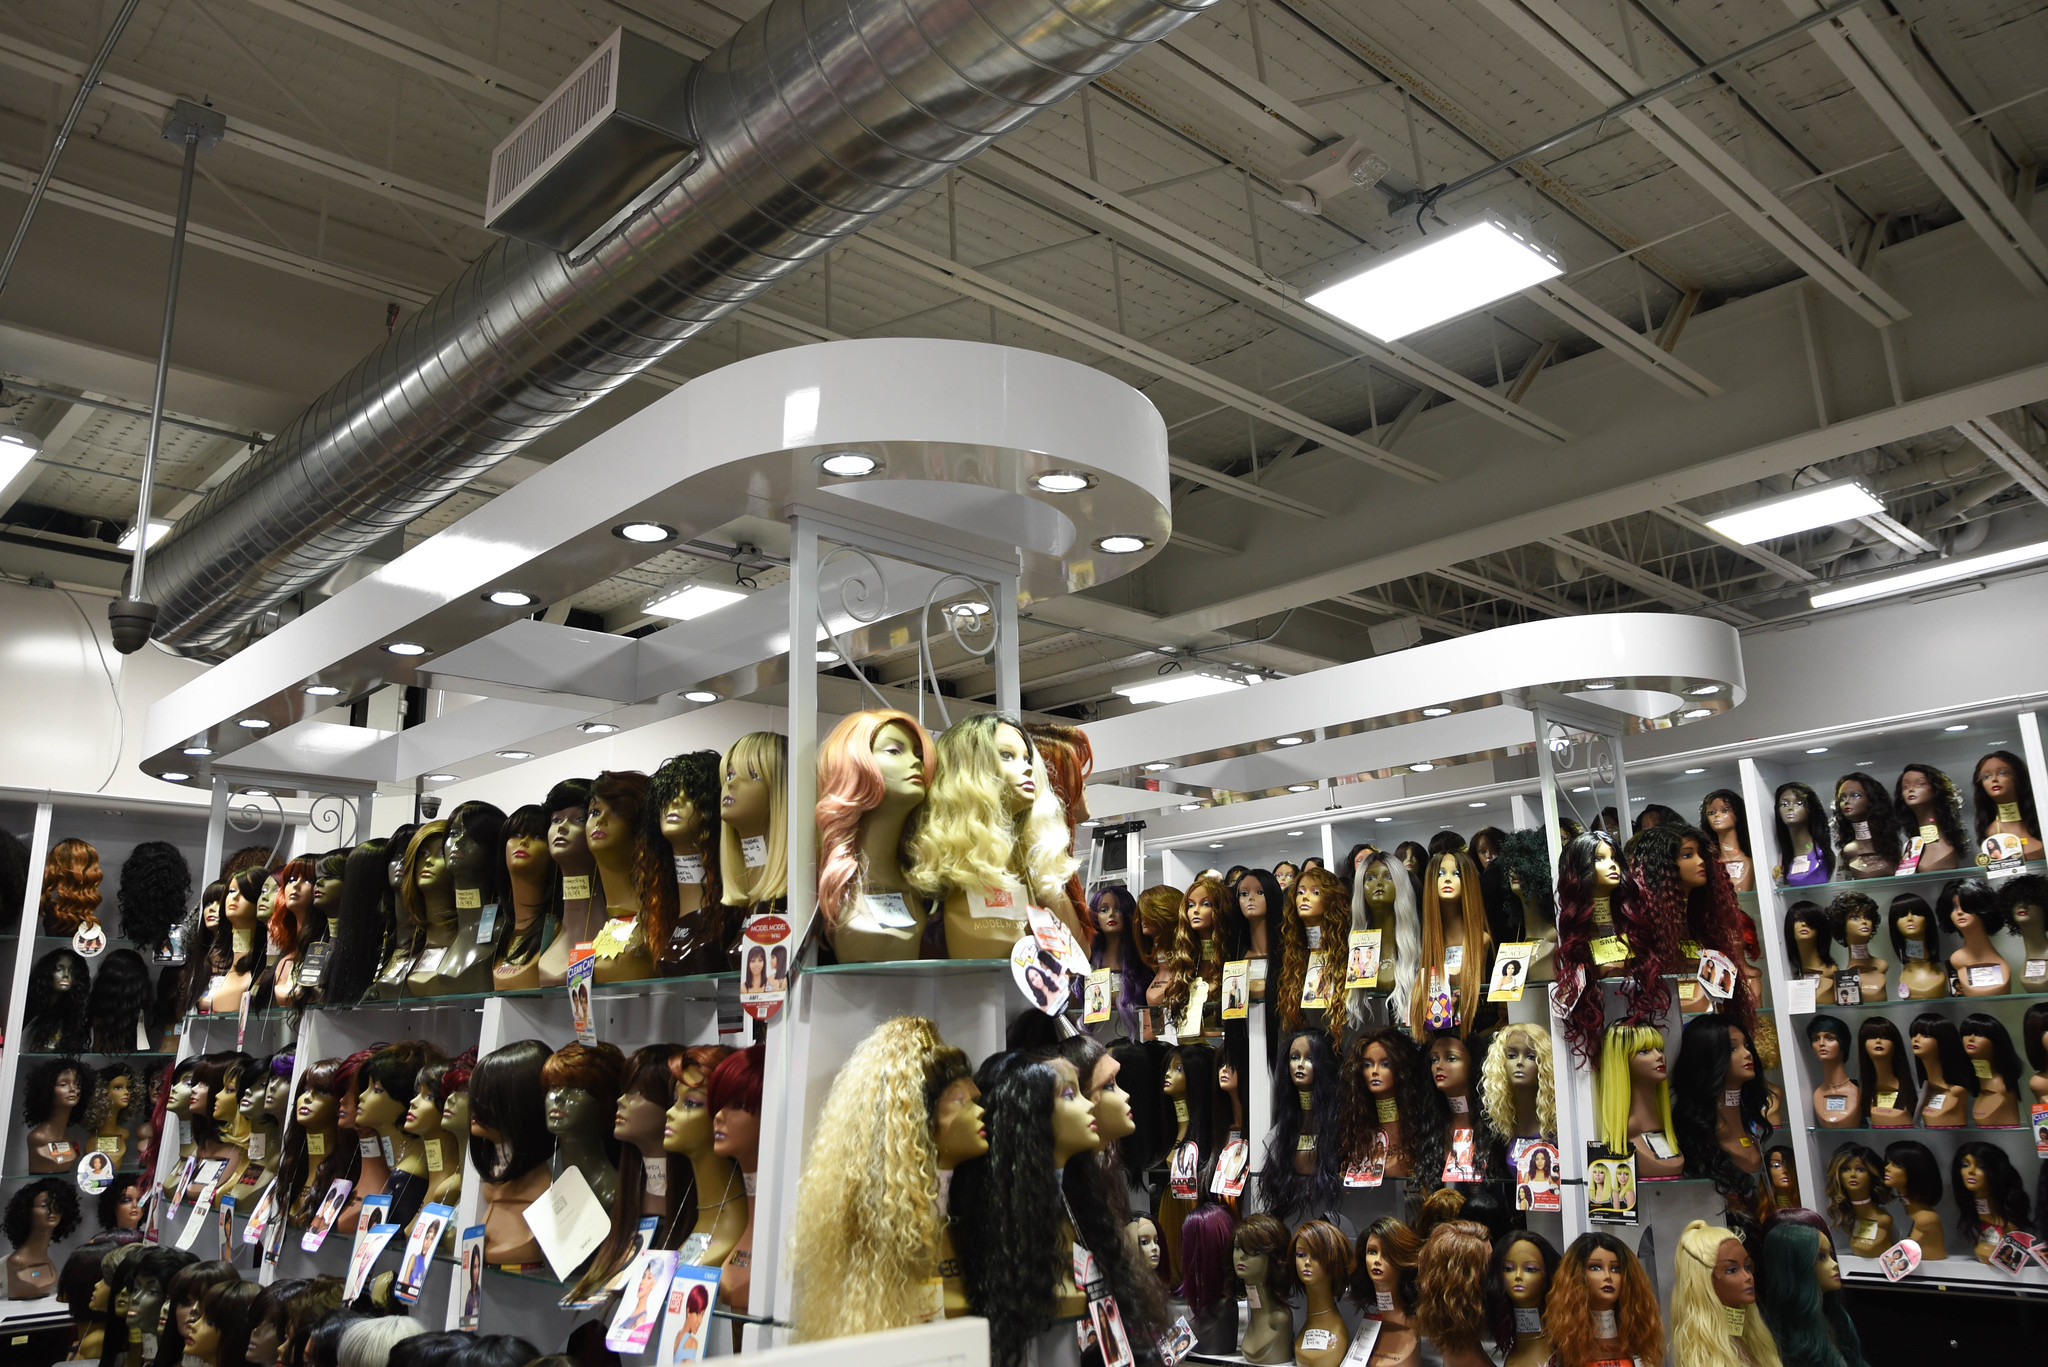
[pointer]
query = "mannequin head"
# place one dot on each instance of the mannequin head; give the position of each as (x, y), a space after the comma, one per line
(1855, 1175)
(582, 1082)
(1519, 1061)
(1316, 899)
(1453, 1264)
(1523, 876)
(953, 1113)
(637, 1121)
(1809, 933)
(1878, 1040)
(1208, 917)
(220, 1332)
(1193, 1068)
(119, 1207)
(1144, 1232)
(357, 946)
(1799, 1291)
(1116, 932)
(1715, 1058)
(529, 875)
(1968, 905)
(291, 906)
(1451, 895)
(568, 808)
(612, 820)
(1913, 924)
(1829, 1038)
(1322, 1259)
(1386, 886)
(1711, 1275)
(1981, 1172)
(387, 1083)
(2024, 903)
(474, 849)
(1668, 864)
(1286, 871)
(751, 805)
(1138, 1078)
(733, 1092)
(2000, 778)
(184, 1293)
(1258, 1251)
(687, 1128)
(1387, 1258)
(1925, 793)
(1631, 1059)
(1518, 1277)
(58, 1088)
(1937, 1047)
(2034, 1036)
(45, 1210)
(1862, 800)
(1207, 1238)
(1798, 812)
(1985, 1039)
(1724, 811)
(1158, 915)
(991, 822)
(681, 816)
(112, 1098)
(872, 762)
(1910, 1170)
(1588, 870)
(509, 1134)
(57, 1015)
(426, 888)
(1600, 1273)
(1384, 1065)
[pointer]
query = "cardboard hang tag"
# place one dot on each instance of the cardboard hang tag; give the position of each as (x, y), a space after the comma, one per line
(1237, 996)
(568, 1222)
(1362, 967)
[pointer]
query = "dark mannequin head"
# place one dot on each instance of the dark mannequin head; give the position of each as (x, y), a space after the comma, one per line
(508, 1103)
(58, 1198)
(1811, 820)
(586, 1077)
(1288, 1194)
(41, 1098)
(1511, 1250)
(1728, 801)
(1861, 798)
(57, 1015)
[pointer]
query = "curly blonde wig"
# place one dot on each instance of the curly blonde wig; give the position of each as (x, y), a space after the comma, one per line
(866, 1235)
(1499, 1098)
(969, 842)
(850, 785)
(1621, 1046)
(763, 755)
(1699, 1329)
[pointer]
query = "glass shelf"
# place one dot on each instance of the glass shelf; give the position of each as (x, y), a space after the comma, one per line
(69, 1174)
(123, 1056)
(1916, 1004)
(916, 968)
(699, 986)
(1925, 884)
(543, 1277)
(1895, 1130)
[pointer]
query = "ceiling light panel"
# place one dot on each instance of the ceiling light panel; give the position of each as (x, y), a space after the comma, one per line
(1437, 279)
(1817, 505)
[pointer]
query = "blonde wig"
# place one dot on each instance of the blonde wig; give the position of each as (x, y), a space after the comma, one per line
(1470, 909)
(1699, 1330)
(1185, 962)
(764, 755)
(850, 785)
(1294, 950)
(969, 842)
(1622, 1043)
(409, 893)
(866, 1235)
(1499, 1097)
(1407, 946)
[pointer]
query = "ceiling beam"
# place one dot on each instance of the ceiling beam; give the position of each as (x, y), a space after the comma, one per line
(1756, 555)
(1563, 302)
(1240, 488)
(459, 69)
(1577, 52)
(1665, 590)
(1372, 602)
(1535, 602)
(1990, 436)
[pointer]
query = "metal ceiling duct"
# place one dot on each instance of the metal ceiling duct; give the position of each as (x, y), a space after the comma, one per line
(815, 118)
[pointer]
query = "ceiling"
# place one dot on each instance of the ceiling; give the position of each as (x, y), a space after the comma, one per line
(1730, 253)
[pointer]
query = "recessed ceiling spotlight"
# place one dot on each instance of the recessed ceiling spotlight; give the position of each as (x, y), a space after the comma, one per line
(1383, 818)
(1191, 806)
(1301, 787)
(405, 648)
(1424, 767)
(848, 464)
(1959, 726)
(1695, 771)
(1583, 788)
(1597, 684)
(322, 691)
(198, 750)
(598, 728)
(646, 533)
(1288, 740)
(1817, 750)
(173, 776)
(700, 695)
(1475, 804)
(1436, 711)
(441, 778)
(1216, 844)
(253, 724)
(1121, 544)
(510, 598)
(1063, 482)
(1698, 712)
(255, 792)
(1156, 765)
(1295, 835)
(515, 754)
(1706, 690)
(828, 657)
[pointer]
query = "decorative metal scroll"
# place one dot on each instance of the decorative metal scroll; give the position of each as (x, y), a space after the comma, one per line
(1574, 756)
(863, 599)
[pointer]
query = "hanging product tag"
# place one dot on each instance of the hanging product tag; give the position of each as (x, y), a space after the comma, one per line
(2013, 1253)
(615, 936)
(260, 1216)
(89, 940)
(324, 1218)
(1799, 995)
(420, 1246)
(1914, 846)
(1362, 967)
(1316, 987)
(1097, 997)
(469, 1284)
(196, 1220)
(1454, 959)
(1360, 1351)
(582, 969)
(575, 887)
(369, 1245)
(568, 1222)
(259, 1146)
(690, 870)
(487, 924)
(1371, 1170)
(754, 850)
(1537, 1182)
(1315, 1341)
(1258, 980)
(314, 967)
(1189, 1026)
(1859, 954)
(390, 1149)
(429, 960)
(2039, 1124)
(1178, 1343)
(1510, 971)
(1237, 994)
(889, 910)
(1055, 939)
(95, 1172)
(1461, 1161)
(1230, 1169)
(242, 1020)
(1182, 1170)
(1899, 1260)
(1038, 975)
(1717, 974)
(694, 1248)
(1528, 1320)
(1442, 1011)
(2003, 855)
(645, 1292)
(764, 965)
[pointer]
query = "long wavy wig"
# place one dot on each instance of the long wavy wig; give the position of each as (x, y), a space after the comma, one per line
(98, 1114)
(1284, 992)
(1500, 1307)
(1816, 827)
(1067, 758)
(71, 886)
(692, 779)
(1470, 912)
(1948, 805)
(2008, 1191)
(866, 1235)
(58, 1019)
(1622, 1044)
(1699, 1080)
(1841, 1212)
(968, 841)
(1714, 916)
(1647, 993)
(1428, 1120)
(1358, 1111)
(1407, 946)
(1708, 915)
(1568, 1317)
(1288, 1194)
(1699, 1329)
(1811, 1326)
(850, 785)
(763, 755)
(1886, 839)
(1986, 806)
(1738, 806)
(1497, 1097)
(359, 941)
(1184, 960)
(1453, 1265)
(155, 892)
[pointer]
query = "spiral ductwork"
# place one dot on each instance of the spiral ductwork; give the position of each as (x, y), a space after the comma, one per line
(816, 117)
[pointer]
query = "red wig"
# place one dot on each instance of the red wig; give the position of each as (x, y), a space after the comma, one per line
(736, 1082)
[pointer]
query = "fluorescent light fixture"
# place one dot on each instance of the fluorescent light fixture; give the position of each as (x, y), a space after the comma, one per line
(406, 648)
(1595, 685)
(1063, 482)
(198, 750)
(1216, 844)
(647, 533)
(515, 754)
(828, 657)
(1177, 688)
(1288, 740)
(1157, 766)
(1383, 818)
(173, 776)
(253, 724)
(441, 778)
(1436, 711)
(597, 728)
(1122, 545)
(1698, 712)
(156, 534)
(1438, 278)
(1690, 772)
(1583, 788)
(1475, 804)
(1959, 726)
(1301, 787)
(1191, 806)
(1422, 768)
(1816, 505)
(1941, 573)
(1817, 750)
(322, 691)
(510, 598)
(688, 602)
(255, 792)
(17, 449)
(1294, 835)
(848, 464)
(700, 695)
(1706, 690)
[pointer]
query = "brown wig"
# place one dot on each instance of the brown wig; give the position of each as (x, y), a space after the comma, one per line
(699, 1061)
(1453, 1264)
(1358, 1111)
(522, 947)
(1184, 960)
(1471, 913)
(301, 1188)
(1567, 1314)
(1402, 1247)
(1158, 921)
(1325, 1243)
(650, 1073)
(285, 931)
(1294, 951)
(506, 1094)
(693, 777)
(71, 886)
(1262, 1236)
(599, 1069)
(1068, 758)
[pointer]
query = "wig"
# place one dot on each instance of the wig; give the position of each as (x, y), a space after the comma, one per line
(735, 1084)
(1471, 913)
(39, 1096)
(1140, 1071)
(1699, 1331)
(2007, 1192)
(71, 886)
(649, 1073)
(1007, 1213)
(1135, 974)
(1358, 1119)
(300, 1190)
(1500, 1307)
(2033, 1027)
(522, 946)
(1623, 1043)
(107, 1206)
(248, 885)
(57, 1019)
(1206, 1235)
(1948, 805)
(1948, 1049)
(693, 778)
(409, 932)
(286, 934)
(1736, 805)
(1158, 916)
(1816, 828)
(1185, 961)
(967, 840)
(207, 948)
(1812, 1327)
(155, 892)
(230, 1307)
(850, 785)
(1198, 1064)
(1841, 1212)
(598, 1069)
(1886, 840)
(358, 945)
(1647, 993)
(1288, 1194)
(1407, 946)
(1067, 758)
(97, 1114)
(1428, 1122)
(763, 755)
(81, 1273)
(1823, 924)
(1699, 1079)
(187, 1287)
(1713, 914)
(120, 1001)
(1497, 1097)
(14, 863)
(624, 795)
(866, 1235)
(1453, 1265)
(1567, 1315)
(1976, 897)
(506, 1094)
(1402, 1248)
(395, 1069)
(1328, 1245)
(1525, 859)
(21, 1209)
(1986, 805)
(1285, 992)
(1923, 1173)
(1912, 904)
(2005, 1060)
(148, 1264)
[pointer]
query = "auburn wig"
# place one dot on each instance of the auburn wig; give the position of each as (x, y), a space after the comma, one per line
(762, 755)
(1325, 1243)
(967, 840)
(1699, 1329)
(1402, 1247)
(1647, 993)
(1816, 827)
(1699, 1081)
(1453, 1265)
(155, 892)
(1567, 1312)
(286, 934)
(1067, 758)
(71, 886)
(1288, 1194)
(850, 785)
(1948, 806)
(1986, 805)
(650, 1074)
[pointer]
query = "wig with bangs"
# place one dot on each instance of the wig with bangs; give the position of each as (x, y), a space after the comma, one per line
(735, 1084)
(520, 947)
(969, 842)
(409, 931)
(763, 755)
(1568, 1315)
(850, 785)
(1615, 1083)
(1470, 911)
(1325, 1243)
(286, 934)
(649, 1073)
(1497, 1096)
(301, 1181)
(507, 1094)
(701, 946)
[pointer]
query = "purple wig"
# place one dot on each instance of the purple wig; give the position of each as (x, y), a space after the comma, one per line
(1205, 1261)
(1135, 976)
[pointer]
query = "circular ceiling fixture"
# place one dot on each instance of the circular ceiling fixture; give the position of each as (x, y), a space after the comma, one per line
(1063, 482)
(646, 533)
(511, 598)
(1121, 544)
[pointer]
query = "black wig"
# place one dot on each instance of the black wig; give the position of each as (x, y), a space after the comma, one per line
(1977, 898)
(1141, 1070)
(2005, 1060)
(1948, 1048)
(2007, 1191)
(1912, 904)
(1427, 1119)
(1735, 805)
(121, 1005)
(1698, 1081)
(39, 1096)
(2023, 796)
(20, 1209)
(1288, 1195)
(57, 1019)
(1817, 824)
(108, 1205)
(1922, 1172)
(506, 1094)
(1881, 820)
(1500, 1309)
(1948, 807)
(1814, 915)
(359, 947)
(155, 893)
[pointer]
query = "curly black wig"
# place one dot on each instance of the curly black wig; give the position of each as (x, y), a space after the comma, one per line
(1698, 1081)
(1427, 1118)
(155, 893)
(39, 1097)
(57, 1019)
(121, 1004)
(20, 1209)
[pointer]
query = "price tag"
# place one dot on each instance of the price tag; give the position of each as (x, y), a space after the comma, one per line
(487, 925)
(1454, 959)
(314, 968)
(1609, 949)
(1098, 996)
(889, 910)
(1316, 1340)
(994, 904)
(316, 1143)
(690, 870)
(468, 899)
(430, 958)
(754, 850)
(575, 887)
(259, 1146)
(1986, 975)
(1836, 1105)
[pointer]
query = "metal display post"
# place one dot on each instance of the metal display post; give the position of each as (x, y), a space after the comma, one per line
(1573, 1104)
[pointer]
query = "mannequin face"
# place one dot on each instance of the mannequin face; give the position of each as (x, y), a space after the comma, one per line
(227, 1103)
(903, 777)
(1804, 931)
(1827, 1273)
(1963, 921)
(1301, 1067)
(1606, 869)
(276, 1095)
(526, 856)
(1308, 903)
(1915, 788)
(202, 1097)
(1379, 1071)
(1781, 1172)
(1284, 874)
(423, 1116)
(44, 1213)
(565, 835)
(1307, 1269)
(394, 870)
(455, 1113)
(128, 1209)
(1792, 809)
(1925, 1049)
(180, 1100)
(1975, 1180)
(1378, 885)
(379, 1110)
(209, 916)
(1013, 757)
(607, 832)
(1450, 883)
(1073, 1119)
(1977, 1046)
(430, 871)
(241, 912)
(687, 1127)
(145, 1304)
(1857, 1179)
(1378, 1266)
(1147, 1235)
(1827, 1047)
(1523, 1065)
(638, 1121)
(315, 1110)
(1647, 1064)
(569, 1109)
(1251, 899)
(298, 896)
(1720, 815)
(268, 900)
(203, 1341)
(1251, 1268)
(957, 1128)
(1522, 1272)
(1450, 1066)
(263, 1343)
(1603, 1280)
(1109, 917)
(468, 861)
(1734, 1274)
(1859, 926)
(1226, 1079)
(1176, 1084)
(120, 1093)
(1997, 779)
(1912, 925)
(250, 1103)
(736, 1134)
(1112, 1103)
(1851, 801)
(743, 799)
(2026, 916)
(327, 889)
(1692, 863)
(1741, 1059)
(1200, 910)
